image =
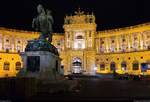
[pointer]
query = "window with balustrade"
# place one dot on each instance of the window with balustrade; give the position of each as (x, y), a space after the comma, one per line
(135, 42)
(102, 45)
(112, 47)
(18, 65)
(102, 67)
(123, 42)
(6, 65)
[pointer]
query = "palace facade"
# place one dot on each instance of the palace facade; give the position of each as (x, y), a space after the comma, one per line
(83, 49)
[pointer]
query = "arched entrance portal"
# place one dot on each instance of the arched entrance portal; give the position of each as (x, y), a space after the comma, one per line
(76, 66)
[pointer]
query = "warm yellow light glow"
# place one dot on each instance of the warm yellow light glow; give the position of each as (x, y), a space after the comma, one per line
(94, 48)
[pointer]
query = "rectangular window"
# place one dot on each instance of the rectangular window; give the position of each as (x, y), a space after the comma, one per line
(90, 34)
(136, 66)
(148, 66)
(102, 67)
(7, 50)
(6, 66)
(68, 36)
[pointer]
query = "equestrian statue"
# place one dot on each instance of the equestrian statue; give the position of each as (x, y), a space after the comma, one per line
(43, 23)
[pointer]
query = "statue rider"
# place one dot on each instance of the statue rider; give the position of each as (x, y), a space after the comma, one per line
(43, 22)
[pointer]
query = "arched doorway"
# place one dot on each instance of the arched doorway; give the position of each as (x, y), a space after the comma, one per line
(112, 66)
(123, 66)
(76, 66)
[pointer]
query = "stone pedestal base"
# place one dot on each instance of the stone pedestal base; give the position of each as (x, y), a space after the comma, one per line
(42, 65)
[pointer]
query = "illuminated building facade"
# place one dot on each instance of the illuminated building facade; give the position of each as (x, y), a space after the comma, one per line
(83, 49)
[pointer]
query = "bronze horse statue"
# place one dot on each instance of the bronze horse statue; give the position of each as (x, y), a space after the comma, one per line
(43, 23)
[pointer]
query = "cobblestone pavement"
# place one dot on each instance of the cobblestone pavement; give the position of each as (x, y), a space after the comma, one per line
(104, 87)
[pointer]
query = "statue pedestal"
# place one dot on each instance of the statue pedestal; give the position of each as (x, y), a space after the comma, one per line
(42, 65)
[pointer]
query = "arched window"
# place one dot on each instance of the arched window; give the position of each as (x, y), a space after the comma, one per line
(7, 50)
(18, 51)
(6, 65)
(7, 40)
(90, 20)
(18, 65)
(102, 67)
(148, 64)
(112, 66)
(79, 37)
(123, 66)
(135, 65)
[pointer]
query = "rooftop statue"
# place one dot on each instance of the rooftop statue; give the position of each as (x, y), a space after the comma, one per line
(43, 23)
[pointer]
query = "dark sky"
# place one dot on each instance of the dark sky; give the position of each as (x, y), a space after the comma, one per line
(109, 14)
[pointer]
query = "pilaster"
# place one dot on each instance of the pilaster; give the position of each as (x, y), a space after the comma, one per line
(131, 42)
(3, 50)
(108, 44)
(15, 44)
(105, 45)
(120, 42)
(99, 45)
(144, 40)
(22, 45)
(127, 42)
(10, 38)
(116, 43)
(139, 41)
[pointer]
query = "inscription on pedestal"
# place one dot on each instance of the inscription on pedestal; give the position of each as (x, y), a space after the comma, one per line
(33, 63)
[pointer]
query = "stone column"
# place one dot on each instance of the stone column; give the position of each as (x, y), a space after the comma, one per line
(99, 47)
(119, 39)
(109, 42)
(15, 44)
(86, 40)
(127, 42)
(22, 45)
(139, 41)
(116, 43)
(3, 50)
(70, 39)
(105, 45)
(144, 40)
(10, 38)
(131, 42)
(65, 42)
(91, 41)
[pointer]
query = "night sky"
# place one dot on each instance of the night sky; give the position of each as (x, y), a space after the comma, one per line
(109, 14)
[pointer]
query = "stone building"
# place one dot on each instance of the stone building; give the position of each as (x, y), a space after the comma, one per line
(83, 49)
